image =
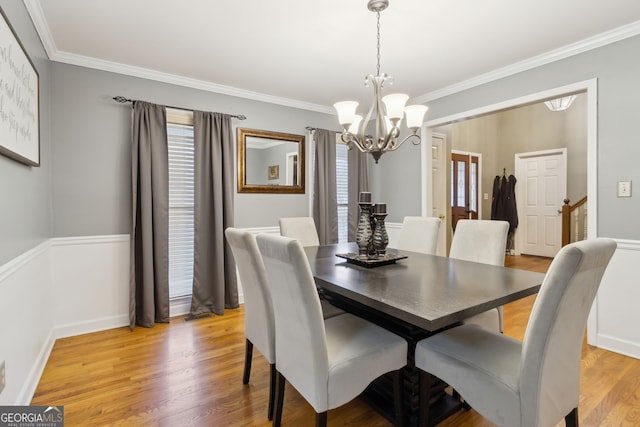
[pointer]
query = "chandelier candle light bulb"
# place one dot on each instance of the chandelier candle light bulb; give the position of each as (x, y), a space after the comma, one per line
(388, 111)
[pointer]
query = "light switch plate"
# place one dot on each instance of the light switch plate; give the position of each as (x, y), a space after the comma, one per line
(624, 188)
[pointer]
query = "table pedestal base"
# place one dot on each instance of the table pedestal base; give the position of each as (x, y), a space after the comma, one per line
(379, 394)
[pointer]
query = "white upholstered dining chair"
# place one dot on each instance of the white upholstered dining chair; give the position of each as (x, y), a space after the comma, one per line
(300, 228)
(329, 362)
(482, 241)
(259, 319)
(419, 234)
(304, 230)
(534, 383)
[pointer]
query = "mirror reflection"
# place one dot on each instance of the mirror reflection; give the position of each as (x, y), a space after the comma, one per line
(270, 162)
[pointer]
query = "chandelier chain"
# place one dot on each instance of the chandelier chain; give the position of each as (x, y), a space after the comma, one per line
(378, 66)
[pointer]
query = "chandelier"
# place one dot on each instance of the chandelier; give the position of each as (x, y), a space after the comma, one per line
(388, 111)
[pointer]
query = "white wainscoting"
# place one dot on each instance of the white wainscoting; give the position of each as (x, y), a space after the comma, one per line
(615, 316)
(26, 322)
(91, 280)
(72, 286)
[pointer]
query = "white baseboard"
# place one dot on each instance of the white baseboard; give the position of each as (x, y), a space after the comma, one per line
(180, 306)
(90, 325)
(624, 347)
(33, 378)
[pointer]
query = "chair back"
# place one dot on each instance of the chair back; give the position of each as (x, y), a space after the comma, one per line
(419, 234)
(302, 229)
(479, 240)
(301, 347)
(258, 312)
(550, 365)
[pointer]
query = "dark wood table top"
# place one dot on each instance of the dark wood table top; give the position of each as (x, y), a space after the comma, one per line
(427, 291)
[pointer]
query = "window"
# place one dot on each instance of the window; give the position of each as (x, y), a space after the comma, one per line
(342, 193)
(181, 202)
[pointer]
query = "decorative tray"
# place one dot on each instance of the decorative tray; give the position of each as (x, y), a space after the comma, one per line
(365, 261)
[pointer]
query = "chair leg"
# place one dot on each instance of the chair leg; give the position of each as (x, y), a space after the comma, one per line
(426, 382)
(571, 420)
(248, 353)
(321, 419)
(272, 390)
(456, 395)
(280, 383)
(398, 401)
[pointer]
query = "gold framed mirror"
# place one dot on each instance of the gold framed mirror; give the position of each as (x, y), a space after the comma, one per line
(270, 162)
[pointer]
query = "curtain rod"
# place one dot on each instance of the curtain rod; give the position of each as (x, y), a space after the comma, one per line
(312, 129)
(122, 100)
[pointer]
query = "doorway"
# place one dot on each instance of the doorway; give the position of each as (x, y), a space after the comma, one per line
(439, 205)
(543, 186)
(589, 87)
(465, 186)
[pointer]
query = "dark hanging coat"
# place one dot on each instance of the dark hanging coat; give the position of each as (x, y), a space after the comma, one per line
(508, 193)
(497, 207)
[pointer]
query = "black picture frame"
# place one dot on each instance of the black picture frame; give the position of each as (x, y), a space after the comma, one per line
(19, 99)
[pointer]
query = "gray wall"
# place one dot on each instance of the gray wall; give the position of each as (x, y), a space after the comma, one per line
(91, 148)
(396, 181)
(617, 68)
(25, 196)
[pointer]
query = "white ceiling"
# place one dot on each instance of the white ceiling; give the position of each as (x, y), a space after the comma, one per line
(312, 54)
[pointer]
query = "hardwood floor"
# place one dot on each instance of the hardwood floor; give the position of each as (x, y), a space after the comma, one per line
(190, 374)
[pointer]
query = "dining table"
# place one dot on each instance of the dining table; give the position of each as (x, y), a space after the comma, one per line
(414, 295)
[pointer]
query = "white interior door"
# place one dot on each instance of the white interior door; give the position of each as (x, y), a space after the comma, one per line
(438, 182)
(542, 179)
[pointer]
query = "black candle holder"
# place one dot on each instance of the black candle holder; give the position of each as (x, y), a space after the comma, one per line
(380, 236)
(364, 234)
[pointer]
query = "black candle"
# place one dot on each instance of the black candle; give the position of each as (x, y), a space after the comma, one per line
(380, 208)
(364, 197)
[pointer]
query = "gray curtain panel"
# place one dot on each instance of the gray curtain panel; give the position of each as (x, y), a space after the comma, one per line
(325, 205)
(149, 264)
(358, 181)
(214, 276)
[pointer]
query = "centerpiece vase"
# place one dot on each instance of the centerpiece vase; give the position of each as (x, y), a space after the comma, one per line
(364, 233)
(380, 236)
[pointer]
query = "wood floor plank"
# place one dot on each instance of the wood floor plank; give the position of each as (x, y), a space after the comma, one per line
(190, 374)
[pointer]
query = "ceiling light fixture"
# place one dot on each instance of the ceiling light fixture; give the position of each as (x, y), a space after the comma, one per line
(387, 125)
(560, 104)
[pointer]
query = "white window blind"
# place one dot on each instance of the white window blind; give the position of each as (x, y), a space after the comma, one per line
(342, 184)
(181, 208)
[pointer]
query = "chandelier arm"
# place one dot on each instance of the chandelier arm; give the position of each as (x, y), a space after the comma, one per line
(408, 137)
(369, 142)
(363, 143)
(381, 132)
(390, 138)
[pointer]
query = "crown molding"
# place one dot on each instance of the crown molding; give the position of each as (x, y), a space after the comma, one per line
(37, 16)
(567, 51)
(177, 80)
